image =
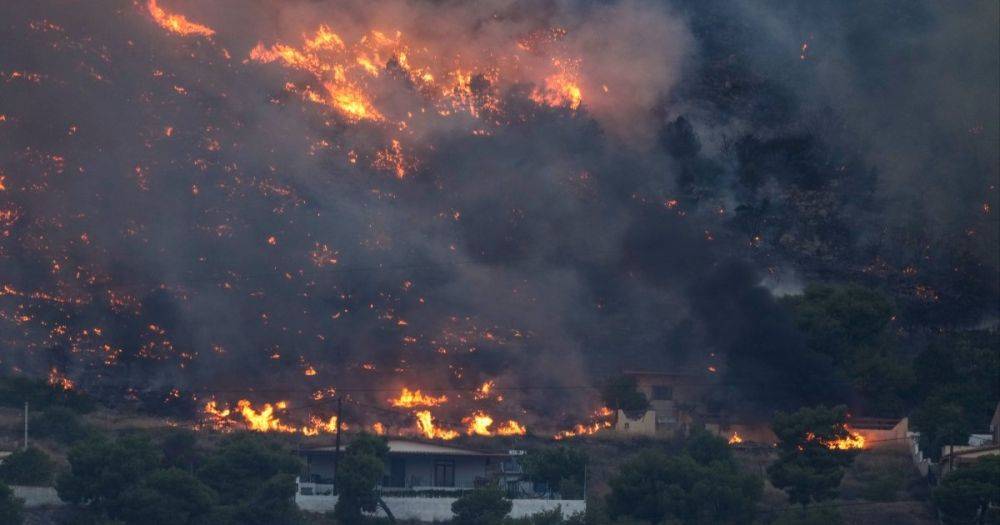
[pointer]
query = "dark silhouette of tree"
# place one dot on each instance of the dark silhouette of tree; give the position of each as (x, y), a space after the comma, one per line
(970, 495)
(807, 468)
(622, 393)
(359, 472)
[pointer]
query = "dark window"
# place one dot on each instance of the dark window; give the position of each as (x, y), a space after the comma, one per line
(444, 473)
(397, 472)
(663, 393)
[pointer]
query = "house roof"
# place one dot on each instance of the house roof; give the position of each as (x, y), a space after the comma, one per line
(408, 447)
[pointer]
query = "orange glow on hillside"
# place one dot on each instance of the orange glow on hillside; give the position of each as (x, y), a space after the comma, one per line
(176, 23)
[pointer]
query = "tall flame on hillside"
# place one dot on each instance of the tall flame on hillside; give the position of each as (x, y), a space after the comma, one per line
(176, 23)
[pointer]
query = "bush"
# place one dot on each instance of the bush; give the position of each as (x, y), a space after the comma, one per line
(560, 468)
(15, 391)
(60, 424)
(11, 508)
(481, 507)
(27, 467)
(809, 516)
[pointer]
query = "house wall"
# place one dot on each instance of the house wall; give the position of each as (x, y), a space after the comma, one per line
(439, 509)
(644, 426)
(419, 468)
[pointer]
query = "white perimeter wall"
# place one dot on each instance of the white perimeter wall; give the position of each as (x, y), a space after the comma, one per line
(431, 509)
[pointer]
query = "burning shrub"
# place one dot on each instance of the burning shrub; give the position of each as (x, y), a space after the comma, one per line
(815, 447)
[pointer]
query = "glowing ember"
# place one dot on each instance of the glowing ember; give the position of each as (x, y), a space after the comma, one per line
(483, 391)
(735, 439)
(415, 398)
(602, 419)
(57, 379)
(177, 23)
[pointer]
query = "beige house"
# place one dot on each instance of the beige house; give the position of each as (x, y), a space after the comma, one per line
(675, 400)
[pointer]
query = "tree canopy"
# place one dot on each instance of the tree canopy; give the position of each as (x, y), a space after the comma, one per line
(658, 488)
(808, 469)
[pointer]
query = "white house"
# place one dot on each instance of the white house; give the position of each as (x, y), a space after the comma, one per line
(422, 480)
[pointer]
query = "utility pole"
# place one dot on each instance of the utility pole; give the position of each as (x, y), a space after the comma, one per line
(25, 425)
(336, 449)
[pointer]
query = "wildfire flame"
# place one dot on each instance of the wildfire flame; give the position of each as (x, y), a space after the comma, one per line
(415, 398)
(479, 423)
(425, 424)
(176, 23)
(735, 439)
(601, 420)
(853, 441)
(263, 419)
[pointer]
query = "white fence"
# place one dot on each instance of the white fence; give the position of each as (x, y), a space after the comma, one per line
(37, 496)
(439, 509)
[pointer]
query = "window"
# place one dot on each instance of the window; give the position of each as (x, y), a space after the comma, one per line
(444, 473)
(397, 473)
(663, 393)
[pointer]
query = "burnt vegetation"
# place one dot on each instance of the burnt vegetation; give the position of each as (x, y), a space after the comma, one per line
(235, 221)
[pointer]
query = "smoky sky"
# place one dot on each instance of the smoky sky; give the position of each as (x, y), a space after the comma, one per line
(175, 217)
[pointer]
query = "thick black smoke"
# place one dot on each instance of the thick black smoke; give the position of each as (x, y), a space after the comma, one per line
(175, 217)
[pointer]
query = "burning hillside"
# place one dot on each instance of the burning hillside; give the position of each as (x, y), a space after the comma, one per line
(451, 218)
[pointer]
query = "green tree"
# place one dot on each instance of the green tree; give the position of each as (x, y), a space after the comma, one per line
(970, 495)
(101, 471)
(809, 516)
(959, 375)
(30, 466)
(656, 488)
(180, 449)
(358, 474)
(942, 421)
(242, 464)
(17, 390)
(622, 393)
(166, 497)
(851, 325)
(11, 508)
(558, 468)
(484, 506)
(807, 468)
(274, 502)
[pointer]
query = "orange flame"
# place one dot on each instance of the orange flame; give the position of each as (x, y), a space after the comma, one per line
(265, 420)
(479, 423)
(853, 441)
(735, 439)
(425, 424)
(177, 23)
(415, 398)
(602, 420)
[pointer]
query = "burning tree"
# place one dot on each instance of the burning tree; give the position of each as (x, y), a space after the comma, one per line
(815, 447)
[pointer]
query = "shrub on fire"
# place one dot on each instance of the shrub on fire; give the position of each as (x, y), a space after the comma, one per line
(810, 465)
